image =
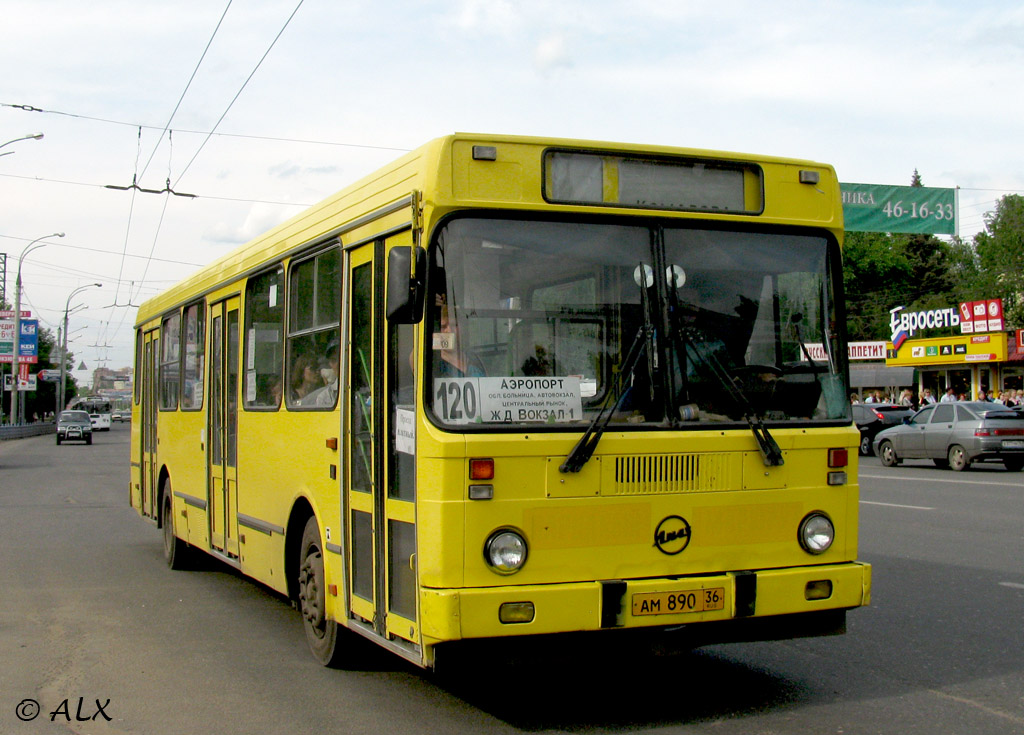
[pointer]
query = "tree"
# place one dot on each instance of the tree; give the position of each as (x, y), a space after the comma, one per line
(876, 277)
(1000, 253)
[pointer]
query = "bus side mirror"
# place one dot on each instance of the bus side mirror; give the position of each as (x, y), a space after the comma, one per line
(405, 285)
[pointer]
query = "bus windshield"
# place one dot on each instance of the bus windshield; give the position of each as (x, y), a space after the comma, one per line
(660, 326)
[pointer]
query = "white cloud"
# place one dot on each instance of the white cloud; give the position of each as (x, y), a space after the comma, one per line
(551, 53)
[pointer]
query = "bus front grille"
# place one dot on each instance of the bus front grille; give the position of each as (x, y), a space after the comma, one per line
(655, 474)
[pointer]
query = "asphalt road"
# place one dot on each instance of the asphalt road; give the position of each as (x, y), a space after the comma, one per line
(94, 626)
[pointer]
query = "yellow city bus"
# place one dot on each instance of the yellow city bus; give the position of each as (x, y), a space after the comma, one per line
(507, 387)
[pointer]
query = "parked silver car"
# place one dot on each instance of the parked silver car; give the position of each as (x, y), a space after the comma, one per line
(956, 435)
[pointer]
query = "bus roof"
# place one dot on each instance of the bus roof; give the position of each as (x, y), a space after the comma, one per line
(436, 170)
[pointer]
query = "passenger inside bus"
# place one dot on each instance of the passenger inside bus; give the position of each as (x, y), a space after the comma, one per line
(451, 357)
(326, 396)
(305, 379)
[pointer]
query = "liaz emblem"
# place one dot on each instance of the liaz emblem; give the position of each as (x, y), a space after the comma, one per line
(672, 535)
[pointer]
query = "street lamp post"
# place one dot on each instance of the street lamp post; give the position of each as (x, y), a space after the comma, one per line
(64, 343)
(15, 416)
(30, 136)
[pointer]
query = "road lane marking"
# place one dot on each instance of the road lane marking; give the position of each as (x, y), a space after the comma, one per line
(980, 705)
(1012, 585)
(896, 505)
(938, 479)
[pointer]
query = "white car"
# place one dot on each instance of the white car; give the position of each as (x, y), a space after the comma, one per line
(100, 421)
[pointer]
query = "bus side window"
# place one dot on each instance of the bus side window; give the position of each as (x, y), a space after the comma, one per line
(170, 362)
(194, 342)
(313, 338)
(264, 322)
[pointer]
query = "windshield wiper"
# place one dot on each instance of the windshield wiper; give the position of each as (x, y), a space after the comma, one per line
(770, 450)
(584, 449)
(644, 342)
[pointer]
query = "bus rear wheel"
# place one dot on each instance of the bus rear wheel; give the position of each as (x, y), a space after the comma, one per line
(322, 632)
(176, 551)
(332, 644)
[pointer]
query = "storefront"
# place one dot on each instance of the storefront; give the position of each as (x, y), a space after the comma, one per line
(868, 371)
(979, 357)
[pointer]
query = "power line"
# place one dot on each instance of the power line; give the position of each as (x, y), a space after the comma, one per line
(106, 252)
(193, 196)
(239, 93)
(276, 139)
(185, 91)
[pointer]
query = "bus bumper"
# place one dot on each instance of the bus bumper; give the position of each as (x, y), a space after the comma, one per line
(744, 598)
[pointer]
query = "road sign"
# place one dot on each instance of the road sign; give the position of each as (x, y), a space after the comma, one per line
(49, 376)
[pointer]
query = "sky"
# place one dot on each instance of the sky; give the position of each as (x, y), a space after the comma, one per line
(304, 98)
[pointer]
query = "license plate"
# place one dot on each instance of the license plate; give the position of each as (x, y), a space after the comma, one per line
(1013, 444)
(674, 603)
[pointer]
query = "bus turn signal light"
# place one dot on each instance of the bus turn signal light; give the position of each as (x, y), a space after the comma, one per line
(481, 469)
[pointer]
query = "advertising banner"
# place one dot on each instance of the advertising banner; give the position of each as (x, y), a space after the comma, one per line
(949, 350)
(29, 340)
(908, 209)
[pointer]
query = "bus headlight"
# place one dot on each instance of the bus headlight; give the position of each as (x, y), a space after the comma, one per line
(816, 533)
(505, 551)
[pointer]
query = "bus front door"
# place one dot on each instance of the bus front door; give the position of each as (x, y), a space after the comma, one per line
(222, 422)
(147, 433)
(379, 480)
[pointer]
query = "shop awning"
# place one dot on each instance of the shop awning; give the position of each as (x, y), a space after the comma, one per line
(879, 376)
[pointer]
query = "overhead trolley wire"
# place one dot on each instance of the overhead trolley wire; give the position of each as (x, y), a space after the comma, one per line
(185, 91)
(239, 93)
(272, 138)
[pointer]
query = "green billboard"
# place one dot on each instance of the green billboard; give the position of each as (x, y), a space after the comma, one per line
(910, 209)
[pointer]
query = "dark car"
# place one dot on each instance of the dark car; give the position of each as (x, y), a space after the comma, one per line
(955, 435)
(74, 426)
(871, 418)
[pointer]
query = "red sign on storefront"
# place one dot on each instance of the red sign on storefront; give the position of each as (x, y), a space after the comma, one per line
(981, 316)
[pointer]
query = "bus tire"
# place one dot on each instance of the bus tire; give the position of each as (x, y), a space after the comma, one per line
(331, 644)
(176, 551)
(321, 632)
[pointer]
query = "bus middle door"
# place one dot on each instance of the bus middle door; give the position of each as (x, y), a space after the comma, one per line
(222, 452)
(147, 431)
